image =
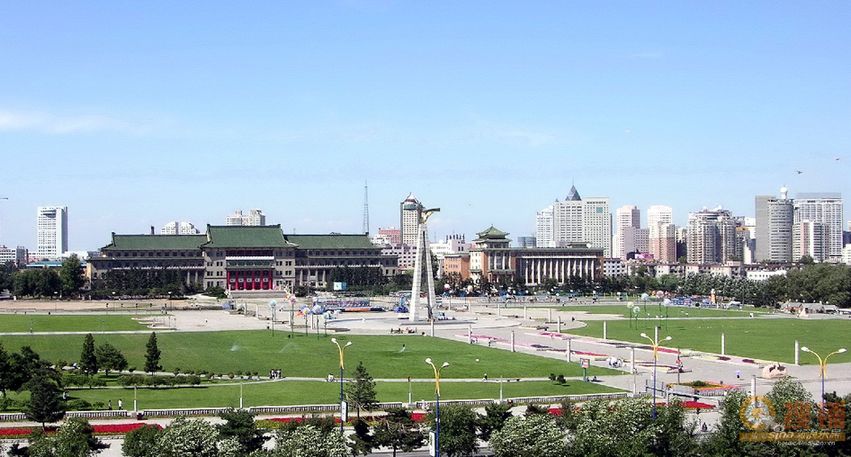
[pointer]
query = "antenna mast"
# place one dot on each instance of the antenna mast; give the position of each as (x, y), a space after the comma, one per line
(365, 208)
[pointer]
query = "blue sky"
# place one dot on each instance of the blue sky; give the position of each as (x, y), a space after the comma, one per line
(136, 114)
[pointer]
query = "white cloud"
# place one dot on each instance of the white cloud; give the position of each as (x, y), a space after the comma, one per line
(62, 125)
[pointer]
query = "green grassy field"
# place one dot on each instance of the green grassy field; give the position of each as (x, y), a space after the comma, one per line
(653, 310)
(767, 339)
(308, 356)
(67, 323)
(303, 392)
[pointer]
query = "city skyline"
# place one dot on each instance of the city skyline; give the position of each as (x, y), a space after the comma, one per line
(130, 120)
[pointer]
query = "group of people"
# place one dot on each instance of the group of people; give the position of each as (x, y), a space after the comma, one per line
(275, 374)
(399, 331)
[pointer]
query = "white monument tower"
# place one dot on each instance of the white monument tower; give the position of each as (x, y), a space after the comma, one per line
(422, 269)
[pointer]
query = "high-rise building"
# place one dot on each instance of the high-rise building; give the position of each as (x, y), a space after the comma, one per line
(410, 211)
(544, 228)
(711, 237)
(774, 218)
(627, 222)
(662, 233)
(51, 231)
(179, 228)
(575, 220)
(255, 217)
(823, 208)
(808, 240)
(526, 241)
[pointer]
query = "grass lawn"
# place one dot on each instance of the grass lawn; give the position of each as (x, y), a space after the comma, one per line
(654, 309)
(67, 323)
(767, 339)
(305, 392)
(308, 356)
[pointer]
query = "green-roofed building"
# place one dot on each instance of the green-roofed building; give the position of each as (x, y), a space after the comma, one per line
(243, 259)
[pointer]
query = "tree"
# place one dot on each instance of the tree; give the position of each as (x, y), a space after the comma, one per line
(361, 392)
(71, 276)
(75, 438)
(457, 431)
(188, 438)
(362, 442)
(530, 436)
(45, 403)
(309, 441)
(398, 431)
(141, 442)
(24, 366)
(239, 425)
(88, 359)
(6, 377)
(495, 416)
(110, 358)
(152, 356)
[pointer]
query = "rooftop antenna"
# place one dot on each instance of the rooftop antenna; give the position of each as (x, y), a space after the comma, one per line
(365, 227)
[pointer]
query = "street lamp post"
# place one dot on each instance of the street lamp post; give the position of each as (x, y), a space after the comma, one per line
(823, 366)
(437, 404)
(655, 342)
(342, 365)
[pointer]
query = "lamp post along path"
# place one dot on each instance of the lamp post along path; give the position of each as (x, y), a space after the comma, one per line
(437, 404)
(342, 349)
(822, 366)
(655, 344)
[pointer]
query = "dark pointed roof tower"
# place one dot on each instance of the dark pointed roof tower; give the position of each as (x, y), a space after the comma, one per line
(573, 195)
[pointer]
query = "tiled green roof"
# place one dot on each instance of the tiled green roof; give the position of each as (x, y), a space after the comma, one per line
(331, 241)
(492, 233)
(154, 242)
(243, 236)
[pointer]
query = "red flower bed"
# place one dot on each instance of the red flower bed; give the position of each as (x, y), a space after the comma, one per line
(697, 405)
(119, 429)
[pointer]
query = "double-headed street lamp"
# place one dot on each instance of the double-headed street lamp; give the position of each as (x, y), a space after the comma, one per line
(823, 366)
(342, 365)
(655, 343)
(437, 403)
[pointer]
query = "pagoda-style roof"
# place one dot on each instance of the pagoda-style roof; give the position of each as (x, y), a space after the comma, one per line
(332, 241)
(573, 195)
(246, 236)
(155, 242)
(492, 233)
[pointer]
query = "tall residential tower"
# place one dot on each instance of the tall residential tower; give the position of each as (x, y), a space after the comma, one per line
(52, 231)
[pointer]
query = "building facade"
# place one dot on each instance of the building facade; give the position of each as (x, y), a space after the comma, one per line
(179, 228)
(493, 260)
(51, 232)
(774, 218)
(627, 221)
(575, 220)
(243, 259)
(255, 217)
(410, 211)
(808, 239)
(17, 256)
(825, 208)
(711, 237)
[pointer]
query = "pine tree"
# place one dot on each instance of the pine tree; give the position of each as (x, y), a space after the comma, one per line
(152, 356)
(88, 360)
(361, 392)
(45, 403)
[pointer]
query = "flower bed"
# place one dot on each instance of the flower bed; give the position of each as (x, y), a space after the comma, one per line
(99, 429)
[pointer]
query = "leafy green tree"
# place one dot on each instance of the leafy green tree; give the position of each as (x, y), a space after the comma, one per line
(239, 425)
(495, 416)
(75, 438)
(88, 359)
(141, 442)
(110, 358)
(398, 431)
(25, 364)
(457, 430)
(362, 442)
(71, 276)
(188, 438)
(530, 436)
(6, 377)
(152, 355)
(309, 441)
(45, 404)
(785, 392)
(361, 392)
